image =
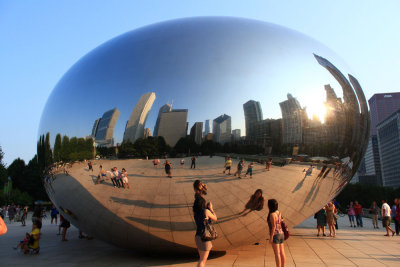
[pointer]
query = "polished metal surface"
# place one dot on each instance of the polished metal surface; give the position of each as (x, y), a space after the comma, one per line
(303, 107)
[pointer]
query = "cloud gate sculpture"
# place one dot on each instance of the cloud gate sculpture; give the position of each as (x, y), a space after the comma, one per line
(211, 85)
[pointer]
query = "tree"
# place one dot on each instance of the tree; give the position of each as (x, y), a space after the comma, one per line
(65, 149)
(3, 170)
(57, 149)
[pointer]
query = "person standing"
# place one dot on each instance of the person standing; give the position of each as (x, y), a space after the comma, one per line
(276, 236)
(53, 214)
(182, 162)
(386, 218)
(321, 221)
(124, 176)
(202, 212)
(374, 211)
(11, 212)
(351, 214)
(250, 170)
(193, 162)
(394, 215)
(167, 165)
(358, 212)
(330, 218)
(397, 215)
(24, 216)
(269, 163)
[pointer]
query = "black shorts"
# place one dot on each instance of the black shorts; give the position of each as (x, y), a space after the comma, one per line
(278, 239)
(54, 216)
(227, 167)
(386, 221)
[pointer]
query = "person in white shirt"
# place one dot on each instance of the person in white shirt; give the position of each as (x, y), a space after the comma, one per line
(386, 218)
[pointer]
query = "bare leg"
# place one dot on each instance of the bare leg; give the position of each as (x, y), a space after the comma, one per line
(277, 254)
(282, 254)
(203, 258)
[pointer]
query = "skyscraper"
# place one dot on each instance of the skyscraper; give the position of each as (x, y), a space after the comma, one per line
(236, 135)
(222, 129)
(292, 116)
(207, 127)
(135, 125)
(173, 125)
(196, 132)
(382, 106)
(165, 108)
(105, 129)
(147, 132)
(95, 127)
(389, 146)
(252, 115)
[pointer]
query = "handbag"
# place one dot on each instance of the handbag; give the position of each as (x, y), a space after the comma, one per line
(209, 232)
(285, 230)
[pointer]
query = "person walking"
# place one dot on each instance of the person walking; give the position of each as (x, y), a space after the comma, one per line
(374, 211)
(351, 214)
(202, 212)
(358, 212)
(386, 218)
(239, 168)
(395, 210)
(193, 162)
(268, 164)
(24, 216)
(330, 218)
(167, 165)
(250, 170)
(228, 164)
(397, 215)
(276, 236)
(321, 221)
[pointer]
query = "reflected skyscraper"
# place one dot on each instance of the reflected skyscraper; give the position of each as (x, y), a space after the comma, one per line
(196, 132)
(173, 125)
(207, 127)
(165, 108)
(95, 127)
(222, 129)
(105, 129)
(236, 135)
(147, 132)
(135, 125)
(292, 116)
(252, 115)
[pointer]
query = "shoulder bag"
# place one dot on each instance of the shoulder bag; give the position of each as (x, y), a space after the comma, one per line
(209, 232)
(285, 229)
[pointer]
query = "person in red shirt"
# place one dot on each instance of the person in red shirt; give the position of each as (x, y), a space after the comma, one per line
(358, 212)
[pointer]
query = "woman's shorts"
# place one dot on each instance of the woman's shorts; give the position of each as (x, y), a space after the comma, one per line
(202, 245)
(351, 218)
(278, 239)
(125, 180)
(227, 167)
(386, 221)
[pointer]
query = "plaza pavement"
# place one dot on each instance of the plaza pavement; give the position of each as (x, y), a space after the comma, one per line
(352, 247)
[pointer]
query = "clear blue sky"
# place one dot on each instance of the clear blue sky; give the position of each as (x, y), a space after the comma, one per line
(41, 40)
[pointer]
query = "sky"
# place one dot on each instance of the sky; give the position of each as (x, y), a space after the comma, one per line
(41, 40)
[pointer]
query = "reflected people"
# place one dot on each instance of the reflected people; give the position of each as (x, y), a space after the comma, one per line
(299, 131)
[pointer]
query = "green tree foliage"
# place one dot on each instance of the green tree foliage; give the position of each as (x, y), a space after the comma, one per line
(57, 149)
(151, 146)
(365, 194)
(65, 148)
(3, 170)
(187, 145)
(44, 153)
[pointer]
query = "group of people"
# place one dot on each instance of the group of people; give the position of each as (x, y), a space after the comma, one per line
(118, 178)
(14, 213)
(204, 214)
(327, 215)
(239, 168)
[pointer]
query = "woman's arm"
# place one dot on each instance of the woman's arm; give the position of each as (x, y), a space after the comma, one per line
(211, 215)
(272, 219)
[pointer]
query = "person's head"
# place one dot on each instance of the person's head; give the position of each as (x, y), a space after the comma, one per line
(37, 224)
(123, 170)
(27, 236)
(258, 193)
(272, 205)
(100, 167)
(351, 203)
(396, 201)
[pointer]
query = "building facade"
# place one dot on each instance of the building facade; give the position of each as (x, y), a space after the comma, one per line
(389, 147)
(135, 126)
(173, 125)
(236, 135)
(222, 129)
(95, 127)
(165, 108)
(196, 133)
(207, 127)
(105, 129)
(252, 115)
(292, 121)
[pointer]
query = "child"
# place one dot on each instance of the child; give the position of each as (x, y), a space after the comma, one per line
(182, 162)
(23, 242)
(250, 170)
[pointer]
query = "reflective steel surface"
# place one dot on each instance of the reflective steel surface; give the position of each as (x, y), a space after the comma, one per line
(259, 85)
